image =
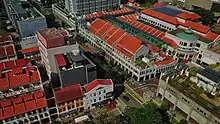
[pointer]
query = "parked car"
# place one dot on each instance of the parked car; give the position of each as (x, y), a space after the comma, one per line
(126, 98)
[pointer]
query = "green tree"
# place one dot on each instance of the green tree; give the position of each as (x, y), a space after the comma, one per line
(108, 118)
(149, 114)
(207, 16)
(183, 121)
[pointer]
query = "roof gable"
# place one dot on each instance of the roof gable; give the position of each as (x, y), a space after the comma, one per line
(98, 82)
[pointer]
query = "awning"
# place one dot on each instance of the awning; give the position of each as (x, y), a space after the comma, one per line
(30, 50)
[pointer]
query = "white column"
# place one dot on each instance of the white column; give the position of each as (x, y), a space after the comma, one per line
(144, 78)
(189, 114)
(167, 79)
(138, 79)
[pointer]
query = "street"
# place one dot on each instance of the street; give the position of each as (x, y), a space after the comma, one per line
(132, 102)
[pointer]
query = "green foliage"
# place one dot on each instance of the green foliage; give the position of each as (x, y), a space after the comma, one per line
(207, 16)
(183, 121)
(213, 66)
(165, 106)
(108, 118)
(80, 39)
(149, 114)
(209, 95)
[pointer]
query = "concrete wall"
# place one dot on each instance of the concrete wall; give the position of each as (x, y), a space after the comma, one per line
(158, 22)
(96, 95)
(188, 106)
(30, 27)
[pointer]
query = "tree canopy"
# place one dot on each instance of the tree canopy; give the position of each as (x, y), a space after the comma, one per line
(149, 114)
(207, 16)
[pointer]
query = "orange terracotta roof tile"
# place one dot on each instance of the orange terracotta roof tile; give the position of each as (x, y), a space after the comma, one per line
(153, 48)
(19, 108)
(196, 26)
(8, 111)
(158, 4)
(96, 25)
(30, 50)
(103, 29)
(164, 62)
(160, 16)
(97, 82)
(113, 38)
(130, 43)
(188, 16)
(68, 93)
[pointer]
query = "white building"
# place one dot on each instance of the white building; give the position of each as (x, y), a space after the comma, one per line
(193, 39)
(97, 91)
(51, 42)
(125, 50)
(83, 7)
(209, 80)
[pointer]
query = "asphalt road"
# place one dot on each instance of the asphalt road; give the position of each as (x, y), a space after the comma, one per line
(132, 102)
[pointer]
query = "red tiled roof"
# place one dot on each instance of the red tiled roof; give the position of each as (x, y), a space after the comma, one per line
(18, 76)
(116, 37)
(160, 16)
(2, 66)
(209, 35)
(51, 38)
(158, 4)
(129, 17)
(165, 62)
(19, 108)
(4, 81)
(68, 93)
(170, 42)
(30, 50)
(10, 50)
(196, 26)
(188, 16)
(153, 48)
(60, 60)
(97, 82)
(10, 64)
(122, 11)
(129, 43)
(5, 38)
(8, 111)
(97, 24)
(20, 62)
(21, 104)
(2, 52)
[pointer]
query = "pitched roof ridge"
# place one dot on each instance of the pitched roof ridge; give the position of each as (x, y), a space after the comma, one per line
(101, 27)
(119, 39)
(107, 31)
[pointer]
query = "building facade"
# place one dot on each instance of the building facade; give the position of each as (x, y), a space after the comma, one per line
(83, 7)
(75, 69)
(51, 42)
(22, 97)
(26, 19)
(194, 40)
(96, 92)
(192, 110)
(107, 37)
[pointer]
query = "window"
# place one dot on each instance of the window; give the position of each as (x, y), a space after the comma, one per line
(185, 44)
(100, 98)
(200, 56)
(198, 45)
(94, 94)
(191, 45)
(99, 92)
(104, 91)
(94, 100)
